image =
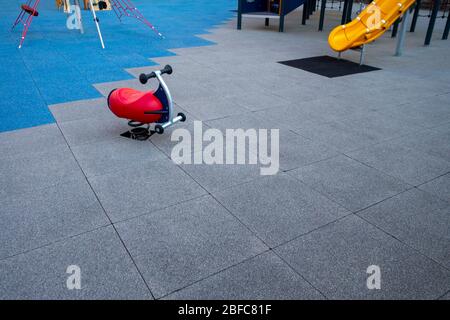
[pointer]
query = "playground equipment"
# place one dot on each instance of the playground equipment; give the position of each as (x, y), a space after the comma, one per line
(267, 9)
(433, 15)
(120, 7)
(145, 108)
(346, 7)
(128, 9)
(28, 10)
(369, 25)
(433, 6)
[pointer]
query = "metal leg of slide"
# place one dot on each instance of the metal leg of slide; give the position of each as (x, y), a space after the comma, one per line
(401, 38)
(434, 13)
(361, 57)
(322, 14)
(447, 28)
(415, 16)
(97, 24)
(395, 28)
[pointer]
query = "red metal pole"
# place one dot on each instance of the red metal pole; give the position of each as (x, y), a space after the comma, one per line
(129, 9)
(28, 21)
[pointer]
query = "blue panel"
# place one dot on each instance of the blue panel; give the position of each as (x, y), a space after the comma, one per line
(290, 5)
(247, 6)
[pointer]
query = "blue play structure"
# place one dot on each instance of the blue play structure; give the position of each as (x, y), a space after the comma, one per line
(58, 65)
(267, 9)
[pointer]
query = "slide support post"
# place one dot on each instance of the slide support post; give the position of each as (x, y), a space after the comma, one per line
(401, 38)
(447, 28)
(395, 28)
(361, 57)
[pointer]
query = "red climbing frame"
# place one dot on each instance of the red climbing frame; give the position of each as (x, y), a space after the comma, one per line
(30, 9)
(128, 9)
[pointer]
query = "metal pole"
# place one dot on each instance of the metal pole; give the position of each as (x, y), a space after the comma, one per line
(308, 9)
(305, 12)
(281, 13)
(395, 28)
(322, 14)
(401, 38)
(96, 23)
(239, 19)
(132, 11)
(361, 57)
(344, 12)
(415, 16)
(28, 22)
(349, 11)
(20, 16)
(447, 28)
(434, 13)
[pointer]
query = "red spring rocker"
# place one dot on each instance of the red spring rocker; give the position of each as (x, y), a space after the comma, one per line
(145, 108)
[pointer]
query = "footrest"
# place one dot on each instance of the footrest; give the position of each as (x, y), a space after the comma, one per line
(30, 10)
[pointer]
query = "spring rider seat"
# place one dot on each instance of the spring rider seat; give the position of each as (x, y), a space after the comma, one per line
(143, 108)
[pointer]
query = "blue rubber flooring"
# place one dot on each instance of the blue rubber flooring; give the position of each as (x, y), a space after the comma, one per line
(57, 65)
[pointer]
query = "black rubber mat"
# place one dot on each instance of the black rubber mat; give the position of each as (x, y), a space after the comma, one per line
(329, 66)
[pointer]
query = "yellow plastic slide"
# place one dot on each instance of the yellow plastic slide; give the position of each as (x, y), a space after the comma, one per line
(371, 23)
